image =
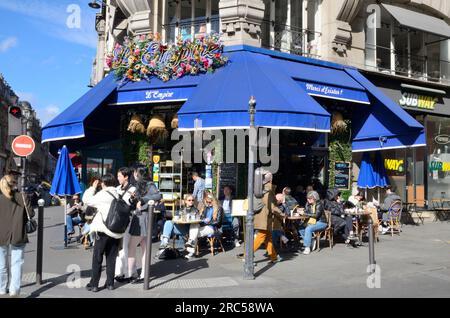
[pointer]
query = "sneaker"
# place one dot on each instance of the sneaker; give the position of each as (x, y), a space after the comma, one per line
(191, 250)
(384, 230)
(14, 294)
(163, 245)
(284, 239)
(190, 243)
(189, 256)
(237, 244)
(306, 251)
(3, 292)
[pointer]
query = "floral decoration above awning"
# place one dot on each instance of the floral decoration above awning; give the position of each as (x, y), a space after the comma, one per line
(145, 56)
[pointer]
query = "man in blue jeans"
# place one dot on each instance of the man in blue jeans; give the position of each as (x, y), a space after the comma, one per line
(74, 214)
(317, 222)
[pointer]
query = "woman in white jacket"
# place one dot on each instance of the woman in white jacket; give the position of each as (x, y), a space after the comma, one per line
(106, 242)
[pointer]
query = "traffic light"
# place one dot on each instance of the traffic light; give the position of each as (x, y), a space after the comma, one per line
(16, 111)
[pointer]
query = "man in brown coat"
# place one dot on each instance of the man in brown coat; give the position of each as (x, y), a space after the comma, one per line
(263, 220)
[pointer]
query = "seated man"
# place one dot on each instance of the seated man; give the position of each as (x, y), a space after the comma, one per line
(342, 223)
(178, 229)
(290, 201)
(383, 211)
(211, 216)
(232, 222)
(74, 214)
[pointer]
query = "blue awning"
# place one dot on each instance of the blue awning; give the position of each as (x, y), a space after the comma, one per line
(326, 82)
(384, 124)
(70, 124)
(221, 99)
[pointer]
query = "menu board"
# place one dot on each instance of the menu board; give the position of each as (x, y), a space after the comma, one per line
(342, 175)
(228, 177)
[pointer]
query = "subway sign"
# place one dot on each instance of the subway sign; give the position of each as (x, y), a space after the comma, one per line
(440, 166)
(394, 165)
(419, 101)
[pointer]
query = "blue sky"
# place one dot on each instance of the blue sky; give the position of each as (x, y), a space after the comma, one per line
(44, 55)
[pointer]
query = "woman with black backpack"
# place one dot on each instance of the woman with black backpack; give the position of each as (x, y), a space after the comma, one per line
(145, 191)
(106, 241)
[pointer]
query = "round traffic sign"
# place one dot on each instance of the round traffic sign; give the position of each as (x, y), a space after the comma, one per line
(23, 146)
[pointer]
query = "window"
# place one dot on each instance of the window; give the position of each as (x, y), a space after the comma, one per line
(195, 17)
(396, 49)
(438, 133)
(282, 28)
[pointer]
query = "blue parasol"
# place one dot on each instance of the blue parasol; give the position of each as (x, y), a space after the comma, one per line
(372, 175)
(64, 182)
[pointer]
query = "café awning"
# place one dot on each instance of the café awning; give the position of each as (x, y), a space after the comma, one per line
(221, 100)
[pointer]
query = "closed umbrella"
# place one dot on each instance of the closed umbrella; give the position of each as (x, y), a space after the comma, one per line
(372, 174)
(64, 182)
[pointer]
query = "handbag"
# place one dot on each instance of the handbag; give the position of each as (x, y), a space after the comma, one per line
(31, 225)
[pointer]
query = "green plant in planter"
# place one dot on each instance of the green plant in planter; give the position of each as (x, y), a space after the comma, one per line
(340, 149)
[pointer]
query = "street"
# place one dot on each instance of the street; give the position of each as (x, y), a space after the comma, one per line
(414, 264)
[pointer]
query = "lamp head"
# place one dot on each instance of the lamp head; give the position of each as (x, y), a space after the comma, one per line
(94, 5)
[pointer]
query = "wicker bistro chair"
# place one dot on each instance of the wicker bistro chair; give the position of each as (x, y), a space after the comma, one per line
(363, 225)
(327, 233)
(395, 214)
(212, 240)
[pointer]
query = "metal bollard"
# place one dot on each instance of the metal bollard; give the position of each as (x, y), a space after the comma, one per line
(371, 245)
(40, 242)
(148, 254)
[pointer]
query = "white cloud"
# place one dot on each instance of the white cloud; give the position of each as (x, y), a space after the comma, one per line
(54, 18)
(27, 96)
(7, 43)
(45, 115)
(52, 110)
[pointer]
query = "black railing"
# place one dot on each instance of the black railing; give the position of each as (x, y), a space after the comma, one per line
(289, 39)
(413, 66)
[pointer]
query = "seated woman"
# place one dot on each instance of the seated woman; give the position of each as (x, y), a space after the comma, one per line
(342, 223)
(74, 214)
(318, 220)
(211, 215)
(171, 228)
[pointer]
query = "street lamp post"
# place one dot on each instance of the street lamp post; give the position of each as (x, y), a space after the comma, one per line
(26, 114)
(249, 267)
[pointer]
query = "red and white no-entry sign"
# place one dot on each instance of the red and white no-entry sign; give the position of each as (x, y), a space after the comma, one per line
(23, 146)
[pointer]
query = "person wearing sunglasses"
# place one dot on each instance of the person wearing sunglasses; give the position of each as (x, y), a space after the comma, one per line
(171, 228)
(13, 236)
(211, 215)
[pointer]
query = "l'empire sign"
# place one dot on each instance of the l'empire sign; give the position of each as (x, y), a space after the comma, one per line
(142, 57)
(419, 101)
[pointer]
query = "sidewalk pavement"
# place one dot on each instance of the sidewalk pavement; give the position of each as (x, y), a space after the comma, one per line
(414, 264)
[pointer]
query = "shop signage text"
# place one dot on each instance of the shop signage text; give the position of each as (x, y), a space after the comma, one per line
(334, 92)
(393, 165)
(440, 166)
(142, 57)
(151, 96)
(442, 139)
(419, 101)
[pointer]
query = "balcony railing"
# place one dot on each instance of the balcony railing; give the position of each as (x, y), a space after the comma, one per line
(189, 29)
(413, 66)
(285, 38)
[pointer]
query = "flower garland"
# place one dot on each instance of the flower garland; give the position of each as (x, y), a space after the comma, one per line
(145, 56)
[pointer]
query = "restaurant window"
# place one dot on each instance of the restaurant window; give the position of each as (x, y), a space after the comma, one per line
(396, 169)
(438, 137)
(195, 18)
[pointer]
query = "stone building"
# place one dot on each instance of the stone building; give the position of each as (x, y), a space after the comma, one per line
(401, 46)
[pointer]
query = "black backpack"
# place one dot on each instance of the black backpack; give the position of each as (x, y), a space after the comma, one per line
(119, 215)
(169, 253)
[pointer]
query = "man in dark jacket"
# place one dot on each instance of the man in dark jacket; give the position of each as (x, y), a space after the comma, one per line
(342, 224)
(390, 198)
